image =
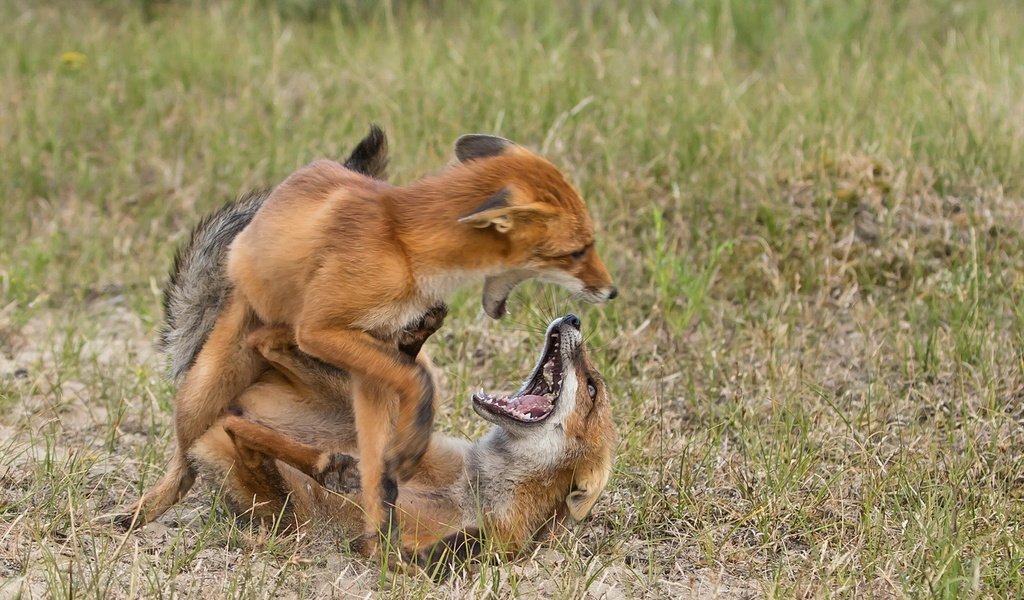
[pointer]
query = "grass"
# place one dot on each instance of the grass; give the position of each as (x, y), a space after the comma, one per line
(813, 211)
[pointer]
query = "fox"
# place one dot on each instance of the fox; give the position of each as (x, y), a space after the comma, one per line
(347, 261)
(547, 457)
(198, 289)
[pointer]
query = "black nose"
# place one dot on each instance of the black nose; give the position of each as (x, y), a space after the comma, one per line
(572, 320)
(614, 293)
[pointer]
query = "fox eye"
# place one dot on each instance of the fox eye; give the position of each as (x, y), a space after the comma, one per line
(578, 254)
(591, 389)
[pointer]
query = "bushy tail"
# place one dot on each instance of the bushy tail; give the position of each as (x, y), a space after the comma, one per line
(370, 156)
(195, 293)
(198, 286)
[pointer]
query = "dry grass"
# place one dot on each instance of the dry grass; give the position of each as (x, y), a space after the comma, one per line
(813, 210)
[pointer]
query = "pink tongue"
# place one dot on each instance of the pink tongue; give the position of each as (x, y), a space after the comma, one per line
(533, 405)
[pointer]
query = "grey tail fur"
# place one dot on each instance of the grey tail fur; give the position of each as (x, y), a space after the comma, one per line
(198, 285)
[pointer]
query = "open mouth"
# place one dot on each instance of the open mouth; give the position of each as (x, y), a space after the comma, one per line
(498, 287)
(535, 401)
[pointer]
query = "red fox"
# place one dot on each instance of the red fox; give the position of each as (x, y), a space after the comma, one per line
(549, 454)
(346, 262)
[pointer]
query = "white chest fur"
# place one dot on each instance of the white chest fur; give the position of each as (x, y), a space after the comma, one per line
(436, 288)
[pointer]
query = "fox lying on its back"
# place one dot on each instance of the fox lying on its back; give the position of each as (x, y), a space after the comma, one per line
(346, 262)
(549, 454)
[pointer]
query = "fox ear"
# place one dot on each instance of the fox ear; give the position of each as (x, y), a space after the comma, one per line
(478, 145)
(587, 485)
(500, 211)
(494, 211)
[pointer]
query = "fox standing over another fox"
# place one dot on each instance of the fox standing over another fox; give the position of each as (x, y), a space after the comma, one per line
(347, 262)
(548, 456)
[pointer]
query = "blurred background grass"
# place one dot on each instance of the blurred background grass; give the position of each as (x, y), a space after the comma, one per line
(694, 108)
(813, 210)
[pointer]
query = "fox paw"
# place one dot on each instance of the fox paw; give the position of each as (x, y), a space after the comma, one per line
(124, 521)
(432, 320)
(411, 339)
(340, 474)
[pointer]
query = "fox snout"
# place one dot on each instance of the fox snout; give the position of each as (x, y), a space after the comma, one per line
(586, 277)
(599, 295)
(597, 282)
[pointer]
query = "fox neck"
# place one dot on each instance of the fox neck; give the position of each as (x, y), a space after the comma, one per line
(426, 217)
(542, 450)
(517, 482)
(500, 458)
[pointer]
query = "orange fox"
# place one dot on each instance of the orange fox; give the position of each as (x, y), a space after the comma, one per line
(345, 262)
(548, 456)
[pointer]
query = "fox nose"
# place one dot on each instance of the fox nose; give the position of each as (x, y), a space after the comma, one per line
(614, 293)
(572, 320)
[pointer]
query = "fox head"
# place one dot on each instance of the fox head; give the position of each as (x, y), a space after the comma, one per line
(549, 232)
(561, 416)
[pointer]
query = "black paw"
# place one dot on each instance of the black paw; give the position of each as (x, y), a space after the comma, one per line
(413, 337)
(127, 521)
(450, 554)
(341, 474)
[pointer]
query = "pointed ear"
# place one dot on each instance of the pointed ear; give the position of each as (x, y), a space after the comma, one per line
(500, 211)
(478, 145)
(494, 211)
(587, 485)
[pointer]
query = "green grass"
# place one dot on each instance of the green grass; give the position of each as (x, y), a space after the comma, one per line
(813, 211)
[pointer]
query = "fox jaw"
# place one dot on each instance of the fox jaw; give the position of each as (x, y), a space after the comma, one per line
(535, 417)
(545, 227)
(556, 428)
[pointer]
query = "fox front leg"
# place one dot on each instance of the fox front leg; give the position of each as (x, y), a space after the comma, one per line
(379, 371)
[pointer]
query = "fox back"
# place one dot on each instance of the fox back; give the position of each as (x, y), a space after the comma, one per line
(198, 284)
(334, 246)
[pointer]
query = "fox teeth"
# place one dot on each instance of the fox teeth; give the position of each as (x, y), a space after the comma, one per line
(549, 373)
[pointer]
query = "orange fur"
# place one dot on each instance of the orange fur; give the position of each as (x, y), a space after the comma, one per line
(430, 510)
(345, 262)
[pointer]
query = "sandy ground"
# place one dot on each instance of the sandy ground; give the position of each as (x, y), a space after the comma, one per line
(61, 470)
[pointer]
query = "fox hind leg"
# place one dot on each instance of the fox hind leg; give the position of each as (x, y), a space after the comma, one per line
(251, 482)
(224, 367)
(276, 343)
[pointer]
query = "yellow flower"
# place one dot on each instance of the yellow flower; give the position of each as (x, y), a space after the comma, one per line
(72, 60)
